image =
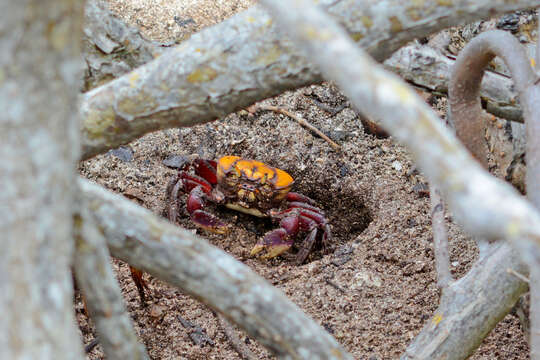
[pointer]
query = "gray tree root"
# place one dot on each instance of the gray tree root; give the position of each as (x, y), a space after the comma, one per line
(440, 240)
(110, 47)
(100, 288)
(466, 112)
(430, 69)
(215, 278)
(470, 307)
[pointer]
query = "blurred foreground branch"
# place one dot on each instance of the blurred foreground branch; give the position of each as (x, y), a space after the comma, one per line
(100, 288)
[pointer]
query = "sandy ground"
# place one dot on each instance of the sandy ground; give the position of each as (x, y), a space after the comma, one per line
(373, 288)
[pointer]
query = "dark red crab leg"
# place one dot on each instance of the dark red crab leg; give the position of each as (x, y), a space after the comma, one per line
(303, 205)
(307, 246)
(137, 276)
(300, 216)
(278, 241)
(186, 182)
(209, 222)
(195, 205)
(294, 196)
(192, 181)
(206, 169)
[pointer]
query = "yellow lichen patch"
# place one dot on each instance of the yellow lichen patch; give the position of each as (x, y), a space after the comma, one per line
(314, 33)
(97, 122)
(533, 62)
(444, 3)
(337, 353)
(394, 90)
(513, 229)
(142, 102)
(133, 79)
(155, 228)
(250, 19)
(395, 24)
(437, 319)
(357, 36)
(59, 34)
(269, 56)
(413, 14)
(366, 20)
(203, 74)
(164, 87)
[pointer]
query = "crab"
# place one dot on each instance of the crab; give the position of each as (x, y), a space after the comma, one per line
(253, 188)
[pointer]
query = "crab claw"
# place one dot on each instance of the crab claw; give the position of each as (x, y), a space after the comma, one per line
(209, 222)
(274, 243)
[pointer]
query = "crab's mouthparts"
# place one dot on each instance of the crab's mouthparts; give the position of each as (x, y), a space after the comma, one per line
(246, 195)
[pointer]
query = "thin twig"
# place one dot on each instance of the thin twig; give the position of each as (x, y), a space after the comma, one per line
(440, 240)
(520, 276)
(99, 287)
(331, 110)
(238, 345)
(301, 121)
(336, 286)
(88, 348)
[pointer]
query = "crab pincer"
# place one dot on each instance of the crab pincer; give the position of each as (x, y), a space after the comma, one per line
(202, 218)
(278, 241)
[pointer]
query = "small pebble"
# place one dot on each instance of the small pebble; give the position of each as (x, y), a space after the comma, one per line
(175, 161)
(397, 165)
(124, 153)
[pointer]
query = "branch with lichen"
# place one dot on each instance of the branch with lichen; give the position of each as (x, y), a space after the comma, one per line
(111, 48)
(470, 307)
(485, 206)
(175, 255)
(428, 68)
(104, 299)
(440, 240)
(245, 59)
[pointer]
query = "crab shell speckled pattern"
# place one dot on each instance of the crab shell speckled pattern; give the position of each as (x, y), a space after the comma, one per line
(251, 185)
